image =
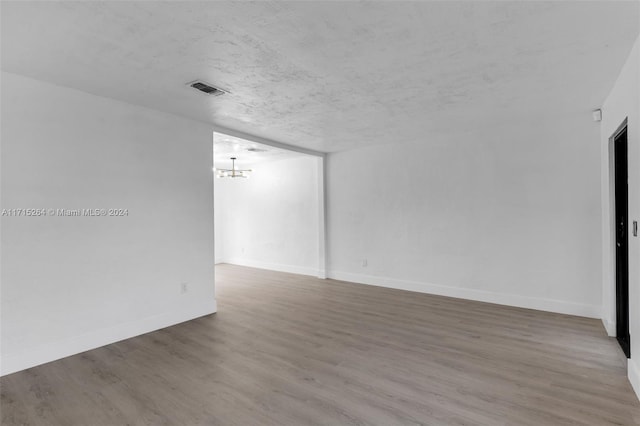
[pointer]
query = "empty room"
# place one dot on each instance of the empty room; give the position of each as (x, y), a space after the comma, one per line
(319, 213)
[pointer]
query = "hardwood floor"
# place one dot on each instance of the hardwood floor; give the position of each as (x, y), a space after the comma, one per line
(286, 349)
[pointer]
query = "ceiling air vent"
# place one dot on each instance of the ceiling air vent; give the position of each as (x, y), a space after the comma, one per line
(252, 149)
(206, 88)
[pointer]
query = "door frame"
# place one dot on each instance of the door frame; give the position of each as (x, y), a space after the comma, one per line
(620, 263)
(609, 240)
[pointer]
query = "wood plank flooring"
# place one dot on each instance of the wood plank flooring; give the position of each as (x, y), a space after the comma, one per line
(286, 349)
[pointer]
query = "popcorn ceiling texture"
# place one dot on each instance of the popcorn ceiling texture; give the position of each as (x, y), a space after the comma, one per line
(331, 76)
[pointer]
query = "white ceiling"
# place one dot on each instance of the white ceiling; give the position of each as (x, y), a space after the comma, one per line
(247, 152)
(331, 75)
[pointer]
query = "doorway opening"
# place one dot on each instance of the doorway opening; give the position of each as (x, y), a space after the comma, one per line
(621, 217)
(268, 205)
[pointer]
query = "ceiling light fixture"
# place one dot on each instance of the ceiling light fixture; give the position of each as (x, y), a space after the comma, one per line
(233, 172)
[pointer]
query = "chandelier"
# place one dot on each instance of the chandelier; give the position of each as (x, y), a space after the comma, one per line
(233, 172)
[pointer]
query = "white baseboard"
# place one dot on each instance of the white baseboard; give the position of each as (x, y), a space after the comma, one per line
(549, 305)
(610, 326)
(633, 373)
(219, 260)
(31, 357)
(292, 269)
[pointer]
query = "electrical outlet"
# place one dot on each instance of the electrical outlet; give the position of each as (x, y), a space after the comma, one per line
(364, 263)
(184, 287)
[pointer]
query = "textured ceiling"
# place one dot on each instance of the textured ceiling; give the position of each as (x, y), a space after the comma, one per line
(331, 75)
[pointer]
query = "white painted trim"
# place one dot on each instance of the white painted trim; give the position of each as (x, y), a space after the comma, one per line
(633, 374)
(609, 326)
(608, 233)
(292, 269)
(265, 141)
(550, 305)
(31, 357)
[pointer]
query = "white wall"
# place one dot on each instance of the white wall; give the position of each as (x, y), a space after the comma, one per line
(510, 215)
(622, 103)
(70, 284)
(271, 220)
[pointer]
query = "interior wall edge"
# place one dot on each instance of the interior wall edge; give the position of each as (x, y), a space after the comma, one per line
(548, 305)
(610, 326)
(31, 357)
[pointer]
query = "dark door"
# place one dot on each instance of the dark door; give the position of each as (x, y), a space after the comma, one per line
(622, 248)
